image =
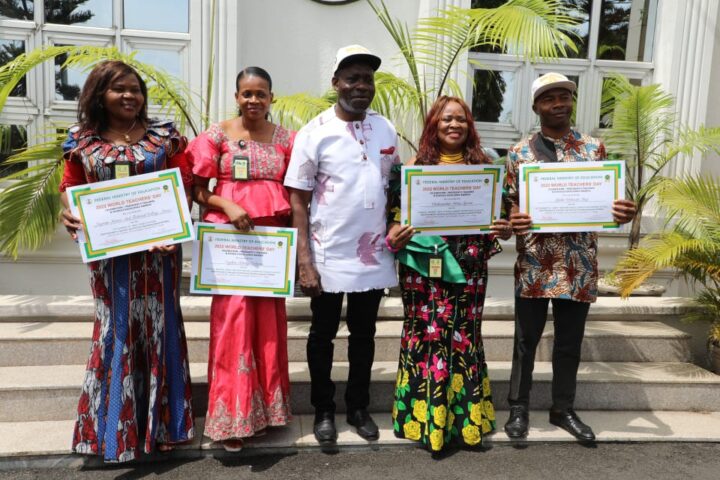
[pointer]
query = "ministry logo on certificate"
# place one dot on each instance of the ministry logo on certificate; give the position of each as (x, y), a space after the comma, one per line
(571, 196)
(257, 263)
(451, 199)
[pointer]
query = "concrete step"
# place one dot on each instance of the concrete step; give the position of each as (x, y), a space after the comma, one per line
(67, 343)
(46, 443)
(41, 393)
(77, 308)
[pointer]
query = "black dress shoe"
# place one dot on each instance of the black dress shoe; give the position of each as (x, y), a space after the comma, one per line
(517, 424)
(571, 423)
(324, 428)
(364, 425)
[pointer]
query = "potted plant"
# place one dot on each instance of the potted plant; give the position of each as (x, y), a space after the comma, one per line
(689, 243)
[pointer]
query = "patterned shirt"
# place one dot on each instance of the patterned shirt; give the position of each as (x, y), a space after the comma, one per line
(347, 167)
(555, 265)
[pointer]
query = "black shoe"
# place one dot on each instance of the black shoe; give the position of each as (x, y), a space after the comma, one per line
(364, 425)
(571, 423)
(324, 428)
(517, 424)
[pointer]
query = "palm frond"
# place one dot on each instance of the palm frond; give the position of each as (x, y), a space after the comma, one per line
(400, 33)
(642, 119)
(690, 242)
(294, 111)
(532, 29)
(13, 72)
(30, 205)
(701, 140)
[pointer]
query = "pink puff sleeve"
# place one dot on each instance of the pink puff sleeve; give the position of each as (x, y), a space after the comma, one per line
(204, 153)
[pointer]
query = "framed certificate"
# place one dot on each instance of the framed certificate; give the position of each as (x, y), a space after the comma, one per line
(130, 214)
(257, 263)
(451, 199)
(571, 196)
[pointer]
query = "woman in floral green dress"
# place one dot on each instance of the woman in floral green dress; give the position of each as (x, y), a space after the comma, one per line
(442, 394)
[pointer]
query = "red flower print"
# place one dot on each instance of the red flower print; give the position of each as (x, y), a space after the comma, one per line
(432, 332)
(547, 262)
(573, 143)
(423, 367)
(570, 271)
(439, 369)
(460, 341)
(444, 309)
(473, 250)
(387, 151)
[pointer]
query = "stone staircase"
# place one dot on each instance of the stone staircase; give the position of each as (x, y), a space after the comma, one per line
(636, 368)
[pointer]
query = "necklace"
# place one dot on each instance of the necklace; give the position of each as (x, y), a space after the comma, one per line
(453, 158)
(126, 135)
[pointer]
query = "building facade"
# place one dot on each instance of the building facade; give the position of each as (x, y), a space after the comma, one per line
(672, 42)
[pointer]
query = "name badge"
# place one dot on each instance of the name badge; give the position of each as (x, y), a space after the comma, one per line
(122, 169)
(240, 167)
(435, 267)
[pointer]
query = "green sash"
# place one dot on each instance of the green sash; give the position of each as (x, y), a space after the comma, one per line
(416, 255)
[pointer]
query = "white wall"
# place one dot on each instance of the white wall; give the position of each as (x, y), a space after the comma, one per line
(296, 41)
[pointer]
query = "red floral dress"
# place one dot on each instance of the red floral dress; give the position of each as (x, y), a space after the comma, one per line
(248, 380)
(442, 391)
(136, 391)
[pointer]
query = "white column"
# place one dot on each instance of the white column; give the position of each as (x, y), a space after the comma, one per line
(684, 47)
(227, 61)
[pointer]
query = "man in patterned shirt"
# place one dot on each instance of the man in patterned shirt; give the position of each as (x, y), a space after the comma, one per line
(557, 267)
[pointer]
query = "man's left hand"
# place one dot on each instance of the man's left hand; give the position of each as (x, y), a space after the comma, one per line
(623, 211)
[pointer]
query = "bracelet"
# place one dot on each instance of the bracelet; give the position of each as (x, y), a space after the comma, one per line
(390, 247)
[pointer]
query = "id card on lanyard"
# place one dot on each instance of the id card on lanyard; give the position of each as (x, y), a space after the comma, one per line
(435, 266)
(240, 167)
(122, 169)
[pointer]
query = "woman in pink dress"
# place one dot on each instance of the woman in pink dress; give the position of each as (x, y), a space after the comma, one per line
(248, 378)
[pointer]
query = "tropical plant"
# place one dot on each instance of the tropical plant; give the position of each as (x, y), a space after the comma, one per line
(532, 29)
(646, 134)
(30, 204)
(690, 243)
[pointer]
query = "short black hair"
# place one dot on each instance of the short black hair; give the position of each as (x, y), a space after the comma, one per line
(253, 71)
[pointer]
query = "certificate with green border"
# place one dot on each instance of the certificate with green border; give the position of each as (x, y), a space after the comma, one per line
(571, 196)
(257, 263)
(131, 214)
(451, 199)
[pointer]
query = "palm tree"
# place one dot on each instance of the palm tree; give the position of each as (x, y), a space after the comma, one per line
(645, 134)
(30, 205)
(690, 243)
(532, 29)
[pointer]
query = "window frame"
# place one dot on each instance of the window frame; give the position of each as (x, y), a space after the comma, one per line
(590, 72)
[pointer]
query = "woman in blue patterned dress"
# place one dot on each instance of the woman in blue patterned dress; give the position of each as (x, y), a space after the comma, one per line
(136, 393)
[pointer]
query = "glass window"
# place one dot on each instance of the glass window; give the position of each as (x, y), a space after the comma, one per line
(9, 49)
(12, 137)
(68, 81)
(160, 15)
(624, 26)
(17, 9)
(493, 96)
(168, 60)
(607, 105)
(88, 13)
(580, 9)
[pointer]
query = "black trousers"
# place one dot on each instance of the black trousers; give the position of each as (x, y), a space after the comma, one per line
(569, 320)
(362, 311)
